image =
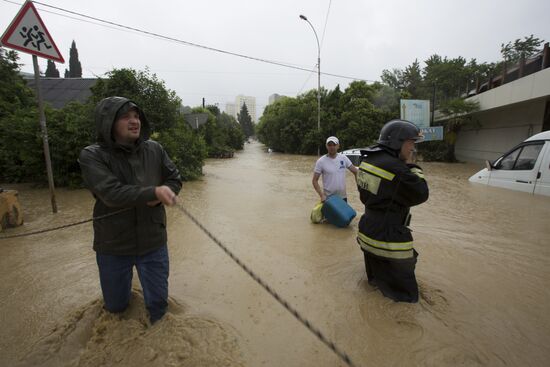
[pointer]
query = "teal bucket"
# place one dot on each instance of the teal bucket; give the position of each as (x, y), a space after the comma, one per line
(338, 212)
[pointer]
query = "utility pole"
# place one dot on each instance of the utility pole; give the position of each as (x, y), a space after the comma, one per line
(303, 17)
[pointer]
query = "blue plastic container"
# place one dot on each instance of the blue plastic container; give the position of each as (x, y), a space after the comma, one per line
(337, 211)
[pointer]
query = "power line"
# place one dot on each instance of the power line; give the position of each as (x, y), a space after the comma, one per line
(326, 21)
(305, 83)
(183, 42)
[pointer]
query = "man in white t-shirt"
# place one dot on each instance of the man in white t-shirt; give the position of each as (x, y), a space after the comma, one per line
(332, 166)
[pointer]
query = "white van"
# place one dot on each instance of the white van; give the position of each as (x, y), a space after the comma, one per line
(354, 155)
(524, 168)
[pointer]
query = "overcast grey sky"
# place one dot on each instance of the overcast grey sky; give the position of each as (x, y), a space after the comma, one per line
(360, 39)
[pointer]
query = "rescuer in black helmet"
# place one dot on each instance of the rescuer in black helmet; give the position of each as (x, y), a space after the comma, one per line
(389, 183)
(395, 132)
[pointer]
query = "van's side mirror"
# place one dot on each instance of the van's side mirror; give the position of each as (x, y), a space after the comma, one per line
(489, 166)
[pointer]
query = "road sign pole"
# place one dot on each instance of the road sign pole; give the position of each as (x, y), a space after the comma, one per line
(44, 133)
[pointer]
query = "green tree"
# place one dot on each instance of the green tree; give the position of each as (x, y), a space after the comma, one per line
(161, 104)
(214, 136)
(281, 122)
(232, 130)
(20, 153)
(75, 69)
(512, 52)
(163, 110)
(69, 130)
(387, 99)
(185, 147)
(290, 124)
(223, 134)
(412, 80)
(361, 120)
(214, 109)
(460, 115)
(246, 121)
(72, 128)
(14, 93)
(51, 70)
(393, 79)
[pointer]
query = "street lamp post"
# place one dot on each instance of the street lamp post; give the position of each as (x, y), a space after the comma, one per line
(318, 82)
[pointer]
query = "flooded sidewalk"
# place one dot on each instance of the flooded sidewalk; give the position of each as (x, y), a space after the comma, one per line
(483, 275)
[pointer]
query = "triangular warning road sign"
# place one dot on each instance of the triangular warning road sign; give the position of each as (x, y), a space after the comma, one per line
(27, 33)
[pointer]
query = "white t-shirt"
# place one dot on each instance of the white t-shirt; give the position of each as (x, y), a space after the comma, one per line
(333, 172)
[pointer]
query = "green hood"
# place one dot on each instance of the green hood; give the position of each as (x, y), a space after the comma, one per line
(105, 113)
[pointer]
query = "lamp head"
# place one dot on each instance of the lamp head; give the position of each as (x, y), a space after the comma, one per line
(303, 17)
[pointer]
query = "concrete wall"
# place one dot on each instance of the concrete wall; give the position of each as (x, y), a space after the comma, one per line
(500, 130)
(528, 88)
(508, 115)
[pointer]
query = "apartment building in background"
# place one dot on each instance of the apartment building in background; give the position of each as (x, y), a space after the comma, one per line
(234, 108)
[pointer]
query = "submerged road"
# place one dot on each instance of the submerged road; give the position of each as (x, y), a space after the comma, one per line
(483, 274)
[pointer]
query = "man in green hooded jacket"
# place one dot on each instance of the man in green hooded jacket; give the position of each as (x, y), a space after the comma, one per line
(126, 170)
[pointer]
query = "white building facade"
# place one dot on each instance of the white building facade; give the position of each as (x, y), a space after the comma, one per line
(230, 109)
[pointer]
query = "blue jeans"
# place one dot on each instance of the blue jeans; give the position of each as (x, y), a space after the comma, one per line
(115, 276)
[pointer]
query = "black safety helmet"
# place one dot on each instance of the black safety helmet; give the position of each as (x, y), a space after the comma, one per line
(395, 132)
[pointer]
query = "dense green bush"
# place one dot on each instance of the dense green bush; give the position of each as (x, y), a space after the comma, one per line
(433, 151)
(72, 128)
(221, 133)
(21, 153)
(290, 124)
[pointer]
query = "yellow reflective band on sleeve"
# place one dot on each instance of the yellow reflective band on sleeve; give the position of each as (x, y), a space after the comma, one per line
(388, 246)
(418, 172)
(391, 250)
(376, 171)
(388, 254)
(368, 182)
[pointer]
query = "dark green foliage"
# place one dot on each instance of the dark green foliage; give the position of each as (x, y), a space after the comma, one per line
(72, 128)
(69, 130)
(459, 112)
(160, 104)
(436, 151)
(222, 134)
(75, 69)
(445, 82)
(51, 70)
(214, 109)
(186, 148)
(513, 52)
(246, 121)
(14, 93)
(232, 130)
(21, 154)
(290, 124)
(162, 108)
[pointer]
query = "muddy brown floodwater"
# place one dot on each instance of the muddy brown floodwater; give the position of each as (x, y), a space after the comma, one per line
(483, 272)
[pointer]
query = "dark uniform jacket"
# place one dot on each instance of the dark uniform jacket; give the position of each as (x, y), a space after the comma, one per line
(388, 187)
(125, 177)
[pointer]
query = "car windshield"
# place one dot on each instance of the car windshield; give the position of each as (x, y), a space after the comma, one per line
(520, 159)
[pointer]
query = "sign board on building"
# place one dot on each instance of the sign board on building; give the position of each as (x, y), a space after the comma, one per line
(27, 33)
(416, 111)
(432, 133)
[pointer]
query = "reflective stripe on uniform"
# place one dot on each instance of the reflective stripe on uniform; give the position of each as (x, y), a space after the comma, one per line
(417, 171)
(376, 171)
(368, 182)
(388, 254)
(394, 250)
